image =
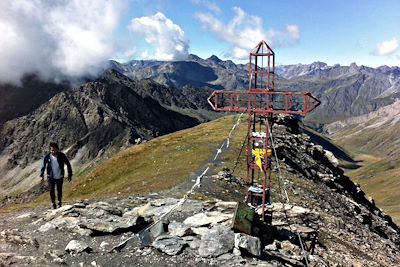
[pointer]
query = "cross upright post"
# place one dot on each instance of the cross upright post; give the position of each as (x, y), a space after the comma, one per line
(261, 101)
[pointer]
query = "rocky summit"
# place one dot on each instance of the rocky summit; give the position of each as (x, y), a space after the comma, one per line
(325, 220)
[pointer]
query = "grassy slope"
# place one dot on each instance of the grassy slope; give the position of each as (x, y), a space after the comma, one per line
(153, 166)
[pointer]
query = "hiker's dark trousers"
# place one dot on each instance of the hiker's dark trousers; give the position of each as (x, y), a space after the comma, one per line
(53, 183)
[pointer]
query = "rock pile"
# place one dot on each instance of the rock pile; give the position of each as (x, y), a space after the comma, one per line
(198, 232)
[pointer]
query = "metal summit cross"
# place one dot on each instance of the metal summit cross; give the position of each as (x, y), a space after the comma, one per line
(261, 101)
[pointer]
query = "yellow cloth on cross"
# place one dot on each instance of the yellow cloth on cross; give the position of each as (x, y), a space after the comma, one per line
(258, 153)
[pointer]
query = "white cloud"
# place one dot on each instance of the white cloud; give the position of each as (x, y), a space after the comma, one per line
(294, 32)
(167, 39)
(244, 31)
(208, 4)
(55, 38)
(386, 48)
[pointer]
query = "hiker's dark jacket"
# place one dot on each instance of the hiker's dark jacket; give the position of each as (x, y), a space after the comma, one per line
(62, 159)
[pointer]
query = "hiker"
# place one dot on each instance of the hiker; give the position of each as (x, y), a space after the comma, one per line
(54, 162)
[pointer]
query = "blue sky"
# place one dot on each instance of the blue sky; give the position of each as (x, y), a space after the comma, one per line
(71, 38)
(330, 31)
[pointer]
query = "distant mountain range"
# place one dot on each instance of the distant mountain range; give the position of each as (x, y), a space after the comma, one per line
(204, 73)
(345, 91)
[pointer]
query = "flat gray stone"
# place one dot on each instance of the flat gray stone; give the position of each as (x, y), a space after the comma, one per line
(25, 217)
(158, 229)
(46, 227)
(178, 229)
(108, 225)
(57, 212)
(104, 206)
(171, 245)
(210, 218)
(225, 257)
(200, 230)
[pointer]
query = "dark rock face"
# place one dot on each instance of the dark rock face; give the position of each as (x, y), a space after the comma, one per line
(16, 101)
(90, 122)
(187, 97)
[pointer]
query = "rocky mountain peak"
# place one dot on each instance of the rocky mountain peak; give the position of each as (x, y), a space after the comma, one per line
(318, 65)
(214, 59)
(353, 68)
(193, 57)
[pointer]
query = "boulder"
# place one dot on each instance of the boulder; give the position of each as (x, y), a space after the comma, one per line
(76, 246)
(248, 243)
(332, 159)
(219, 240)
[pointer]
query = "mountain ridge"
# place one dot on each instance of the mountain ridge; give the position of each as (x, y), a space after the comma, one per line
(90, 121)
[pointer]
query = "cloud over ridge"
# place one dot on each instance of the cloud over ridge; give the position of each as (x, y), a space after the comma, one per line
(386, 48)
(60, 38)
(243, 31)
(167, 39)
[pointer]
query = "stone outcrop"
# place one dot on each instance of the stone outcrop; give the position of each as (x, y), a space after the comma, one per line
(345, 197)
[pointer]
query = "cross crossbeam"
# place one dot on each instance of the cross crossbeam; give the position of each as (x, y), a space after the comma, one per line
(263, 102)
